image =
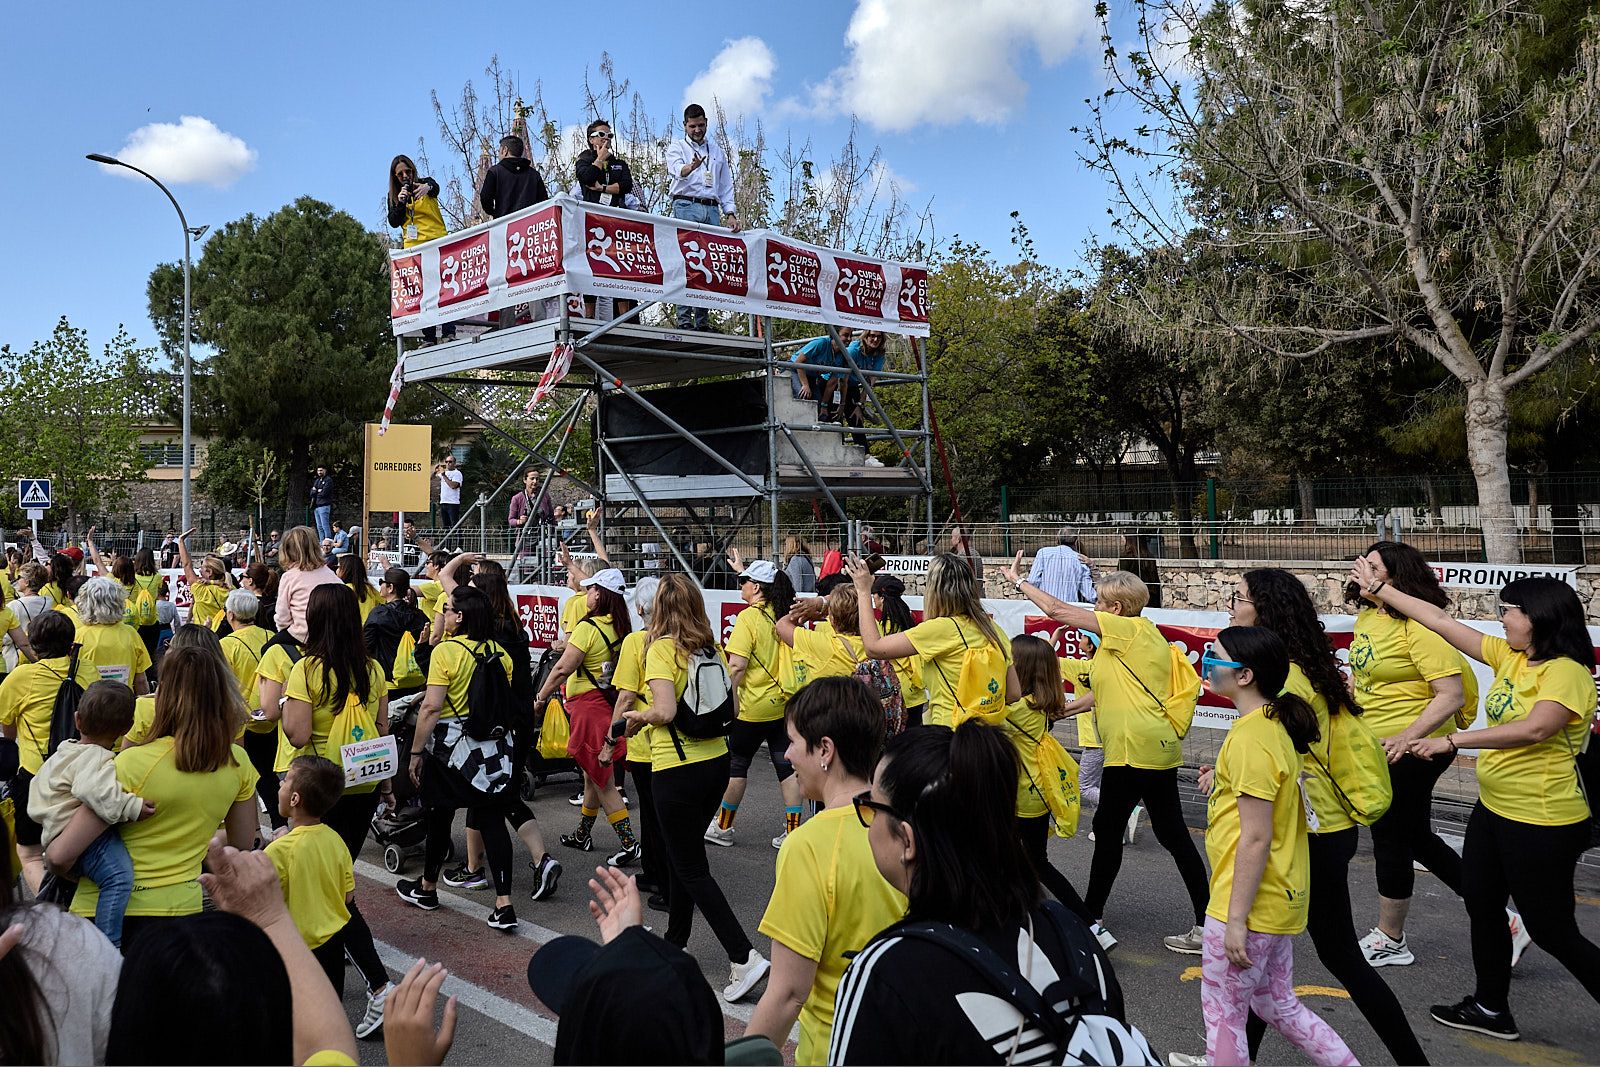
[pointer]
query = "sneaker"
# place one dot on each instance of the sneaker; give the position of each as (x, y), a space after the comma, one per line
(503, 919)
(744, 976)
(716, 835)
(874, 461)
(625, 857)
(777, 842)
(410, 890)
(372, 1021)
(1189, 944)
(658, 902)
(1468, 1015)
(1183, 1059)
(1382, 950)
(1133, 826)
(462, 878)
(581, 842)
(1102, 935)
(576, 799)
(548, 871)
(1519, 937)
(623, 793)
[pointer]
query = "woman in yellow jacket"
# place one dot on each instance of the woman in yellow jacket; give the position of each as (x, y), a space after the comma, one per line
(1531, 822)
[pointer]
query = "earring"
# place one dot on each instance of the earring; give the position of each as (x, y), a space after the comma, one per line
(824, 766)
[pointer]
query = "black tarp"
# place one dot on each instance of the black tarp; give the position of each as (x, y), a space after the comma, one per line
(698, 408)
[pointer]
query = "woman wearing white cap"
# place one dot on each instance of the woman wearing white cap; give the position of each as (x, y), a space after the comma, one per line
(583, 673)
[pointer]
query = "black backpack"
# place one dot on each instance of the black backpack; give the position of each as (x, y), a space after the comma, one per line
(706, 708)
(603, 684)
(64, 715)
(491, 707)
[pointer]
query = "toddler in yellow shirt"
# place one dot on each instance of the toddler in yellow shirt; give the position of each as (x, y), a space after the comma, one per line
(313, 865)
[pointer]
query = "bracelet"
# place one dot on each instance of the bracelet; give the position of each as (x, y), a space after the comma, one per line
(1451, 737)
(1376, 587)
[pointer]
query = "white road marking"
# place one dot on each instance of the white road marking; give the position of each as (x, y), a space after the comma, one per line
(521, 1019)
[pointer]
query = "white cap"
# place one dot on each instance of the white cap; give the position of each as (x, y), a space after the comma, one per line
(761, 571)
(610, 578)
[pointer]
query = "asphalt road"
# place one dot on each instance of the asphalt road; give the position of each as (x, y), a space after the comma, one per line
(502, 1022)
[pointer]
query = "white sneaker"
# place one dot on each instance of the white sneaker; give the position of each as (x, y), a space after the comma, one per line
(1382, 950)
(1192, 943)
(1183, 1059)
(716, 835)
(745, 975)
(1133, 826)
(1102, 935)
(1519, 937)
(372, 1021)
(777, 842)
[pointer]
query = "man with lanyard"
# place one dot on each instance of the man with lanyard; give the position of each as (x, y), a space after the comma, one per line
(701, 192)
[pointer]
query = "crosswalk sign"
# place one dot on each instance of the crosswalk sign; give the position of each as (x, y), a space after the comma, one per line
(33, 493)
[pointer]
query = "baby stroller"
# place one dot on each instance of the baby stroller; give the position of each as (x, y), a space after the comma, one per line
(400, 831)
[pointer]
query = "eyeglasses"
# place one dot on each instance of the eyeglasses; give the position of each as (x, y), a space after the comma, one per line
(867, 809)
(452, 609)
(1235, 599)
(1504, 607)
(1209, 664)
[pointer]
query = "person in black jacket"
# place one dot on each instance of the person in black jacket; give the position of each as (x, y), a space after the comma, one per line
(603, 179)
(390, 620)
(513, 183)
(322, 502)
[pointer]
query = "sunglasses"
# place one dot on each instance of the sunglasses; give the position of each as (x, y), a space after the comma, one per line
(867, 809)
(602, 136)
(1209, 664)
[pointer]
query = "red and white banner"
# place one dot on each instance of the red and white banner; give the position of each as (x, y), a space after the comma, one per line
(569, 246)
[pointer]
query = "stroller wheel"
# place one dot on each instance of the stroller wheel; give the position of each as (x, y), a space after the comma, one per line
(530, 786)
(391, 859)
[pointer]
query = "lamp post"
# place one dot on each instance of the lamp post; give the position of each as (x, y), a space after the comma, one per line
(112, 161)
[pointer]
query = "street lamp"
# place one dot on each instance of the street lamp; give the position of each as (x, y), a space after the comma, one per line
(188, 232)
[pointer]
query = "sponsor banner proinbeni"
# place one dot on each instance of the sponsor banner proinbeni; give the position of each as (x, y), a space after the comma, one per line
(1495, 575)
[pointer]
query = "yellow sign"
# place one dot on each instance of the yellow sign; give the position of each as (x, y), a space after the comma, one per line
(397, 471)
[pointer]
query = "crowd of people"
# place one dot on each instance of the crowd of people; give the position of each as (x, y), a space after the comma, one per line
(915, 915)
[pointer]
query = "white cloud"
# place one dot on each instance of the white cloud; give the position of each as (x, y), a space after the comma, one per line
(193, 150)
(739, 78)
(948, 61)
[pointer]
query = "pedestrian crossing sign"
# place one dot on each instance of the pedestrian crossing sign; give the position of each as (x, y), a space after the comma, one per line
(33, 493)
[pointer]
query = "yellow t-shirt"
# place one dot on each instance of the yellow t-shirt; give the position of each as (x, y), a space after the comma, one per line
(1331, 815)
(430, 595)
(307, 682)
(1075, 680)
(1536, 783)
(209, 598)
(1024, 725)
(755, 637)
(828, 902)
(115, 650)
(55, 595)
(663, 660)
(909, 672)
(168, 847)
(8, 590)
(826, 655)
(574, 608)
(941, 646)
(316, 874)
(592, 636)
(27, 698)
(1133, 728)
(1258, 760)
(629, 677)
(8, 622)
(451, 666)
(243, 648)
(275, 666)
(70, 610)
(1392, 661)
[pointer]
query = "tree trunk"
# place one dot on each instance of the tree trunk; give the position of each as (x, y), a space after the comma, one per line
(1487, 422)
(1308, 499)
(1435, 501)
(298, 484)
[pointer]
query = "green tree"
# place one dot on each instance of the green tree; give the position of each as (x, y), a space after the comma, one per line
(73, 417)
(295, 308)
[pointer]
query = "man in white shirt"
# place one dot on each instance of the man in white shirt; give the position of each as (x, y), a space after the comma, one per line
(1062, 572)
(449, 492)
(701, 191)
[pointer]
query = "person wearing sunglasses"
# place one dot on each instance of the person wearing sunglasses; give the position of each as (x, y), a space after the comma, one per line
(941, 824)
(1531, 821)
(604, 179)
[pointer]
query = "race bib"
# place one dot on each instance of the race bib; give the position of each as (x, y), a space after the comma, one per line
(120, 672)
(606, 199)
(370, 761)
(411, 231)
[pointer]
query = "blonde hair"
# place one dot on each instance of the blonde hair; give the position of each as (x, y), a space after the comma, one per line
(793, 545)
(844, 610)
(1124, 589)
(301, 548)
(34, 573)
(952, 590)
(680, 614)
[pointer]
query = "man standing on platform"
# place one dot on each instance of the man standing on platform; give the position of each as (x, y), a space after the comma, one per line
(322, 502)
(701, 192)
(449, 492)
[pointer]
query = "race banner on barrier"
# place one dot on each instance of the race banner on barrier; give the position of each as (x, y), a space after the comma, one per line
(569, 246)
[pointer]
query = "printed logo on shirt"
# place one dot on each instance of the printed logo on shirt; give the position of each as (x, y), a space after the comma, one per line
(913, 303)
(860, 289)
(1500, 700)
(621, 248)
(533, 248)
(464, 269)
(405, 286)
(1362, 654)
(792, 275)
(715, 263)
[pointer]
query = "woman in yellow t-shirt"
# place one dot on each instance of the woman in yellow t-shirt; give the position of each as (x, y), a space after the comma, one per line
(688, 775)
(110, 645)
(1278, 601)
(764, 681)
(634, 693)
(334, 685)
(829, 899)
(244, 644)
(1531, 822)
(1256, 840)
(353, 572)
(208, 586)
(14, 633)
(1410, 684)
(894, 617)
(1131, 665)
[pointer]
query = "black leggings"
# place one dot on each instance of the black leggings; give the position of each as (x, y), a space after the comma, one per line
(151, 636)
(1333, 935)
(263, 751)
(1405, 832)
(653, 863)
(1121, 790)
(744, 739)
(488, 820)
(1035, 834)
(1532, 865)
(686, 797)
(351, 818)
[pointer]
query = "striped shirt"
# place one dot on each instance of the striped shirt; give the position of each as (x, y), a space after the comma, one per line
(1064, 574)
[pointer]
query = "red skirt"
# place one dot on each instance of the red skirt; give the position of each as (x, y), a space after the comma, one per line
(590, 718)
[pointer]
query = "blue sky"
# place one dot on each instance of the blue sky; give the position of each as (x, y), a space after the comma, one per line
(970, 101)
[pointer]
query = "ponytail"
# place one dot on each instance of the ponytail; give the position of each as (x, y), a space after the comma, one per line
(1267, 657)
(778, 594)
(1299, 720)
(897, 617)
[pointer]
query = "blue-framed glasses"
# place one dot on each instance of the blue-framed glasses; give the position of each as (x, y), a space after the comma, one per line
(1209, 663)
